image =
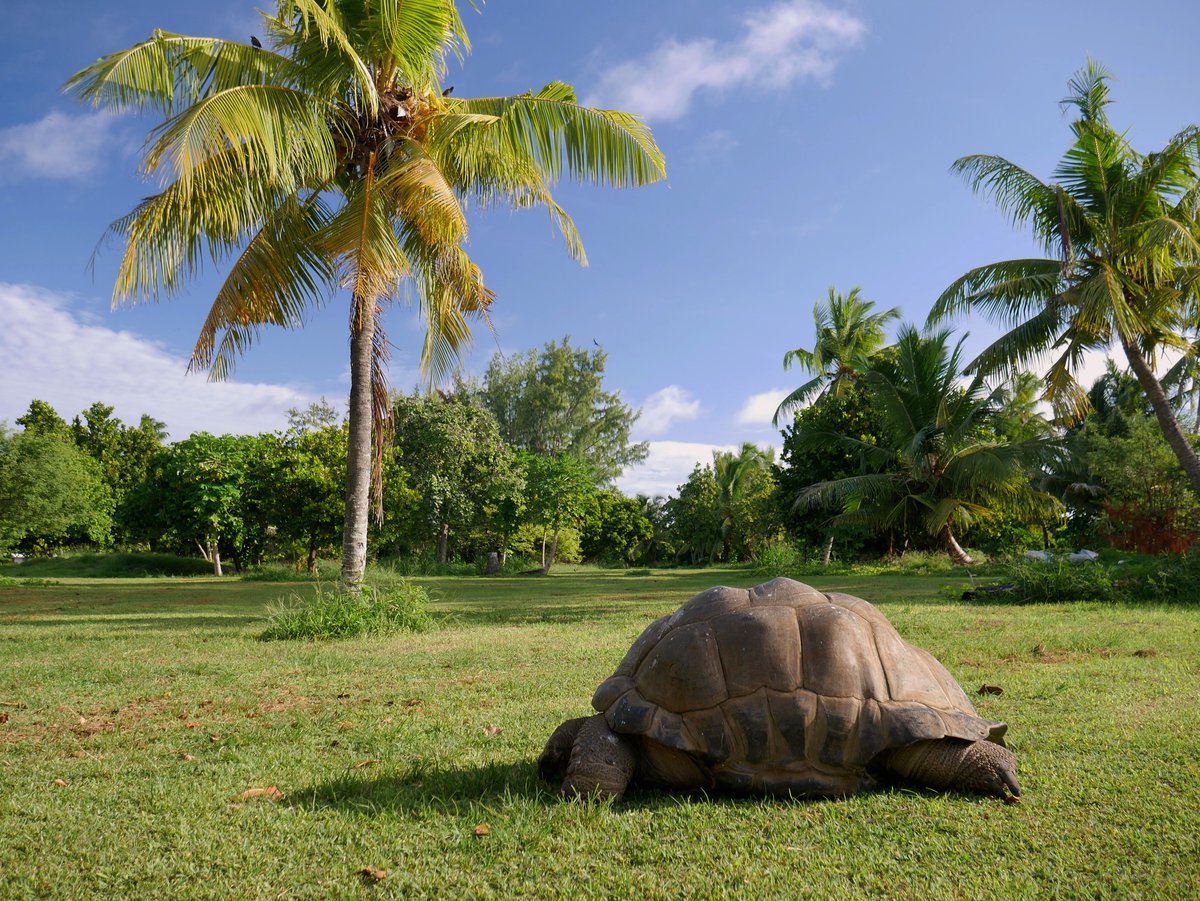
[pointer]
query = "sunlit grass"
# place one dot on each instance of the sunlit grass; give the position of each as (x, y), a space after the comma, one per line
(155, 705)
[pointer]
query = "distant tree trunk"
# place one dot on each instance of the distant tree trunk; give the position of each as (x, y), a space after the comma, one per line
(1165, 414)
(214, 555)
(828, 551)
(311, 562)
(547, 562)
(957, 555)
(443, 542)
(358, 448)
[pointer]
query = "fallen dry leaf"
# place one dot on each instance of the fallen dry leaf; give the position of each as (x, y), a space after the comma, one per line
(271, 793)
(4, 717)
(345, 725)
(79, 755)
(483, 829)
(215, 737)
(186, 756)
(492, 730)
(413, 702)
(193, 726)
(82, 720)
(363, 763)
(60, 782)
(372, 874)
(990, 690)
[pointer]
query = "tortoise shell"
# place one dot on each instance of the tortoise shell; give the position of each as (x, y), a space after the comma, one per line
(784, 688)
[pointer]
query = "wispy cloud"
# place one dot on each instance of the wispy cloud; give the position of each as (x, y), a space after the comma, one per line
(792, 41)
(758, 409)
(56, 146)
(666, 467)
(663, 408)
(49, 352)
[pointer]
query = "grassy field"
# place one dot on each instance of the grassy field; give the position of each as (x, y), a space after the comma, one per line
(137, 714)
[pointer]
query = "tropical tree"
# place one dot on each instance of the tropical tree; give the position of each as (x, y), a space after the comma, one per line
(805, 463)
(941, 464)
(738, 475)
(51, 492)
(848, 333)
(328, 157)
(1121, 228)
(554, 402)
(557, 494)
(463, 472)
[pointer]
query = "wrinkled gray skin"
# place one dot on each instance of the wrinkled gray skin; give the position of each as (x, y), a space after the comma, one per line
(593, 761)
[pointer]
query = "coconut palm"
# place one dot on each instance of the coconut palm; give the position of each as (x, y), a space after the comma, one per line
(1121, 228)
(942, 463)
(734, 473)
(330, 160)
(847, 334)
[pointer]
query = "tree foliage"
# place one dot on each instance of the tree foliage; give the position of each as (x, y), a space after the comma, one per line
(51, 493)
(1122, 230)
(554, 402)
(328, 158)
(941, 464)
(463, 474)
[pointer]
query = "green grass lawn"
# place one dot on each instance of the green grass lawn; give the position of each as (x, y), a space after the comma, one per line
(139, 711)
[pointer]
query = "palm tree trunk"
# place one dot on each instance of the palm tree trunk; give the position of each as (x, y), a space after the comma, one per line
(828, 550)
(1165, 414)
(957, 555)
(358, 452)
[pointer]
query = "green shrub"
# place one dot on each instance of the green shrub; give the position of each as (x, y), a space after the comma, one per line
(113, 565)
(333, 613)
(1060, 581)
(283, 572)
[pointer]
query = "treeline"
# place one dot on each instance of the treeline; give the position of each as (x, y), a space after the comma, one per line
(519, 464)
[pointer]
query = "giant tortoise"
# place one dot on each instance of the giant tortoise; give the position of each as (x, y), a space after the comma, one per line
(780, 689)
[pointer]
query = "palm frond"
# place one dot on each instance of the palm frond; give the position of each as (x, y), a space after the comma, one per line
(563, 137)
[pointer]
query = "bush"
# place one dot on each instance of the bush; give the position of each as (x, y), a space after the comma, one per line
(109, 566)
(1060, 581)
(333, 613)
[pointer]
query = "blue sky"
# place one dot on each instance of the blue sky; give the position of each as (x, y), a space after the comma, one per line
(808, 145)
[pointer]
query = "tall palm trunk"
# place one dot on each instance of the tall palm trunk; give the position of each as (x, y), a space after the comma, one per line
(1165, 414)
(358, 455)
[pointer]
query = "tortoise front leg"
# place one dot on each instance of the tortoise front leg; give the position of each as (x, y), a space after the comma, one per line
(602, 763)
(978, 766)
(552, 765)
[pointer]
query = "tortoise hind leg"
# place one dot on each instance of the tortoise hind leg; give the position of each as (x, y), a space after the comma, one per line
(602, 762)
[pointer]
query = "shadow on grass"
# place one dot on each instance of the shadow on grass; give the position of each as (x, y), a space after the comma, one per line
(449, 790)
(431, 788)
(162, 622)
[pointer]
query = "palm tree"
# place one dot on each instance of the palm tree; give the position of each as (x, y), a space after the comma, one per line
(847, 334)
(943, 463)
(332, 159)
(1122, 231)
(734, 473)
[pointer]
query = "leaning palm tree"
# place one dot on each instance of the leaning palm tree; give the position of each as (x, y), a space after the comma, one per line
(848, 333)
(942, 464)
(329, 159)
(1121, 230)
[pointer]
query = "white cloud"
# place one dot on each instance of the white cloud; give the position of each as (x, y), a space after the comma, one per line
(759, 409)
(666, 467)
(791, 41)
(49, 352)
(56, 146)
(662, 408)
